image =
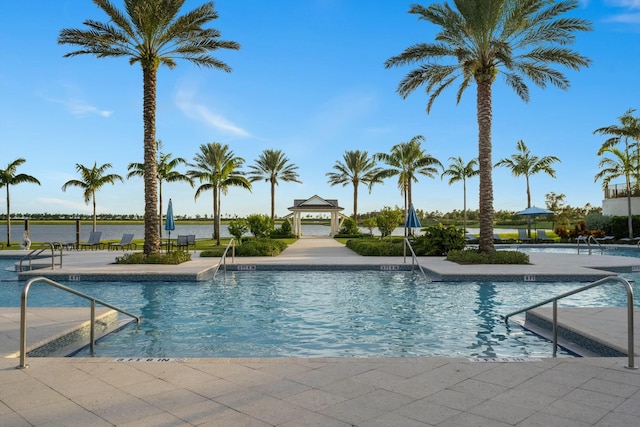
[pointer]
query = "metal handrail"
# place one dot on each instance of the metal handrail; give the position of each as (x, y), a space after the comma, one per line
(554, 300)
(588, 241)
(37, 251)
(223, 259)
(23, 314)
(414, 259)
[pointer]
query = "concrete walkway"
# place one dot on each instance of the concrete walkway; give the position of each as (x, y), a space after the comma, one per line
(316, 392)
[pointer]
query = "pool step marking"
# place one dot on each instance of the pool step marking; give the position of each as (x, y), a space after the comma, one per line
(389, 267)
(246, 267)
(150, 359)
(74, 278)
(530, 278)
(635, 268)
(504, 359)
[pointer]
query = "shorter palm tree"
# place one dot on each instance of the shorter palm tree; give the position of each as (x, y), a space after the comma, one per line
(271, 166)
(9, 177)
(216, 167)
(618, 164)
(458, 171)
(91, 180)
(166, 172)
(357, 168)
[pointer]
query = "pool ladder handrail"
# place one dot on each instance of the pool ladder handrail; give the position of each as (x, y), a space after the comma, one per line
(606, 280)
(40, 249)
(588, 241)
(414, 259)
(23, 314)
(223, 258)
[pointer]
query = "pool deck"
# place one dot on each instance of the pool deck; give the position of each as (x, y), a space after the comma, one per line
(590, 391)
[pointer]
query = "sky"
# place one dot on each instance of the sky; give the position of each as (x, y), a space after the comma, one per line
(309, 79)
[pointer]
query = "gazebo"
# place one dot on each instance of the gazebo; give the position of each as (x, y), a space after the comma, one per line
(316, 204)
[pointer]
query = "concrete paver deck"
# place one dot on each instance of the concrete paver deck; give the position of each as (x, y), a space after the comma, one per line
(318, 392)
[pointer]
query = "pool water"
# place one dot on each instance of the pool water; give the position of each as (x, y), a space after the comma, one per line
(629, 251)
(318, 314)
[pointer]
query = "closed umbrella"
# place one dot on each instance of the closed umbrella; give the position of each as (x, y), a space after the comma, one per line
(169, 223)
(412, 219)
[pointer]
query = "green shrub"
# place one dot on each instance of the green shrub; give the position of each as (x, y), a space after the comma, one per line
(237, 227)
(261, 247)
(388, 220)
(370, 223)
(376, 247)
(438, 240)
(260, 225)
(284, 231)
(175, 257)
(349, 226)
(561, 232)
(215, 252)
(495, 257)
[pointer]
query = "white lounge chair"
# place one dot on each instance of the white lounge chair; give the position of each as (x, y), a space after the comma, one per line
(93, 242)
(522, 235)
(605, 239)
(542, 236)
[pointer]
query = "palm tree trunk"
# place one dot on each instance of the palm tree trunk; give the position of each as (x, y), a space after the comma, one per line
(355, 202)
(629, 213)
(273, 202)
(151, 223)
(216, 219)
(8, 218)
(528, 205)
(94, 211)
(464, 205)
(160, 209)
(485, 116)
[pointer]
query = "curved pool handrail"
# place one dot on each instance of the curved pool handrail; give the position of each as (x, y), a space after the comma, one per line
(223, 259)
(554, 300)
(23, 313)
(414, 259)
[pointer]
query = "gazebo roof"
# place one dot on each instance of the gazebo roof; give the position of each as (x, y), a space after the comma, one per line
(315, 204)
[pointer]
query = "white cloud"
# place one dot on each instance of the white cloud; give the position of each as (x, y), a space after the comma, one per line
(630, 4)
(200, 112)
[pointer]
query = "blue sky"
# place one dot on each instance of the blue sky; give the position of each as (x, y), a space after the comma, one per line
(309, 80)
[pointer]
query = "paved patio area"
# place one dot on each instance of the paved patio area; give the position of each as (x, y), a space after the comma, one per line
(319, 392)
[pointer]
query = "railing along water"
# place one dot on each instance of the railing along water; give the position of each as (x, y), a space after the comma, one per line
(223, 259)
(40, 249)
(554, 300)
(414, 259)
(23, 314)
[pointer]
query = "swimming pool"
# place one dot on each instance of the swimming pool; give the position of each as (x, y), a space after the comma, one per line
(627, 251)
(318, 314)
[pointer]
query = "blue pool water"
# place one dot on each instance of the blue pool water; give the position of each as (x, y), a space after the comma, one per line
(629, 251)
(318, 314)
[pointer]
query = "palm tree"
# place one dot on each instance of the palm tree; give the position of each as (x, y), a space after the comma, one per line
(151, 33)
(458, 171)
(523, 163)
(166, 172)
(629, 129)
(217, 169)
(271, 166)
(357, 168)
(406, 160)
(91, 180)
(8, 177)
(480, 39)
(620, 164)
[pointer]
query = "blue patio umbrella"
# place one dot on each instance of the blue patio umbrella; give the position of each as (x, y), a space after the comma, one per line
(412, 218)
(169, 223)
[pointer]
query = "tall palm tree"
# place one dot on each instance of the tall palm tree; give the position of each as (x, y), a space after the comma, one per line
(406, 160)
(480, 39)
(523, 163)
(629, 129)
(216, 167)
(91, 180)
(271, 166)
(619, 164)
(459, 171)
(357, 168)
(9, 177)
(166, 172)
(151, 33)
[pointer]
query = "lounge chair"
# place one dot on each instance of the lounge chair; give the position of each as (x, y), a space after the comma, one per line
(125, 243)
(93, 242)
(183, 242)
(542, 236)
(522, 235)
(582, 238)
(605, 239)
(470, 238)
(191, 241)
(498, 239)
